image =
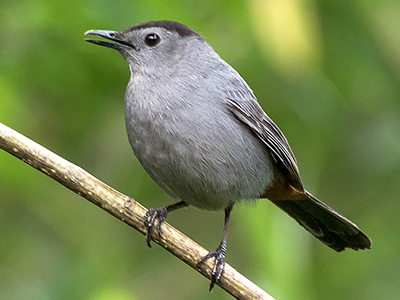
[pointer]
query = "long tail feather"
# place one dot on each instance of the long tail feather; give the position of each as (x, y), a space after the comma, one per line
(325, 224)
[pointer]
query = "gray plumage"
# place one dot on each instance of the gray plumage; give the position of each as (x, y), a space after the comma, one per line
(181, 132)
(198, 130)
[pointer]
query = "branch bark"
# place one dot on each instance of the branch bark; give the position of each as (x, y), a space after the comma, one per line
(123, 208)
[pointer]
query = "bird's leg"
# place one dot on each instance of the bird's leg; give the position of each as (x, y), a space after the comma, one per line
(159, 214)
(219, 253)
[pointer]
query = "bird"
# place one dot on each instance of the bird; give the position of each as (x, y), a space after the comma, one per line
(198, 130)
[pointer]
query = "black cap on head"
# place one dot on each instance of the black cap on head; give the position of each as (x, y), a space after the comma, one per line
(181, 29)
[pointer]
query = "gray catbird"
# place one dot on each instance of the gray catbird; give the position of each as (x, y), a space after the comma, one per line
(197, 129)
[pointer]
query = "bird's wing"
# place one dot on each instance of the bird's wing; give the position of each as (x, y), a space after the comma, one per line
(251, 113)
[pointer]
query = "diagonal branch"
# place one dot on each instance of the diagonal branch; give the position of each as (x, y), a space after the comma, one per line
(123, 208)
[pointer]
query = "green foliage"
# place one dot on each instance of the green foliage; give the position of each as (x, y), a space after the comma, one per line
(327, 72)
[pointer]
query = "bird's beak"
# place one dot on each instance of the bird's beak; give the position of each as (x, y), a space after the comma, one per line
(110, 35)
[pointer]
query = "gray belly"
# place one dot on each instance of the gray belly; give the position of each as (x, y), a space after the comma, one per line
(204, 162)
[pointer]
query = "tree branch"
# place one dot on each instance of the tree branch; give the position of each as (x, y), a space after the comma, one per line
(123, 208)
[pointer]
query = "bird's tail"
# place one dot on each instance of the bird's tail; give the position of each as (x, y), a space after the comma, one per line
(325, 224)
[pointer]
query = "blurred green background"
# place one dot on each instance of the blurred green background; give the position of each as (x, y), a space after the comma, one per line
(327, 72)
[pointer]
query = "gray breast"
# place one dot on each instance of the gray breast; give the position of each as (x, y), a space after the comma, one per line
(202, 155)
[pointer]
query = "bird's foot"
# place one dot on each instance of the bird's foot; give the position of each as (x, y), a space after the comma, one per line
(159, 214)
(219, 263)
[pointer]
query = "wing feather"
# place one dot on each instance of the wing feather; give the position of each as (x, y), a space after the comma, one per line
(251, 113)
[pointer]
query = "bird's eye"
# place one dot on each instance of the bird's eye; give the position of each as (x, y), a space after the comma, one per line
(152, 39)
